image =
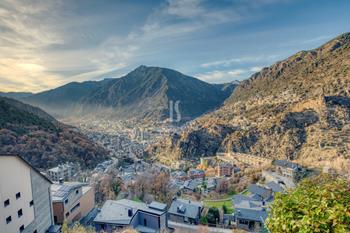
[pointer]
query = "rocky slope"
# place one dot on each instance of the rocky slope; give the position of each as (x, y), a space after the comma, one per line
(144, 94)
(298, 108)
(41, 139)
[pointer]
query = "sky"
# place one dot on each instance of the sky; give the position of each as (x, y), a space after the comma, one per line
(45, 44)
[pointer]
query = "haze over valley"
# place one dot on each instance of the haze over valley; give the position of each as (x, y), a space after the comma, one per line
(174, 116)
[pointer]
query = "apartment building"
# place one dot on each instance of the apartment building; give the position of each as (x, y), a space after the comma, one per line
(289, 169)
(72, 201)
(25, 197)
(224, 169)
(62, 172)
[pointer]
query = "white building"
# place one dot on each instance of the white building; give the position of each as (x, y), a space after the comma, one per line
(64, 171)
(25, 197)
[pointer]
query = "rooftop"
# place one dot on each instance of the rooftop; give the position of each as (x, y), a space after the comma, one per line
(118, 212)
(260, 191)
(249, 208)
(286, 163)
(185, 208)
(61, 191)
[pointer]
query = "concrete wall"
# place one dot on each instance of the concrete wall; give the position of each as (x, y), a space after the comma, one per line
(15, 177)
(42, 204)
(152, 221)
(87, 201)
(73, 200)
(58, 212)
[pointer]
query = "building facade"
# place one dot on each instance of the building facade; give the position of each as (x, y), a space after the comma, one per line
(62, 172)
(185, 211)
(25, 197)
(224, 169)
(71, 201)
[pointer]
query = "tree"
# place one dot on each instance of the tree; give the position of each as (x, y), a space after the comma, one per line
(213, 215)
(224, 208)
(203, 220)
(76, 229)
(320, 204)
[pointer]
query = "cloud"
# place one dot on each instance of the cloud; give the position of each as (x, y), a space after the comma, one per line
(185, 8)
(221, 76)
(218, 76)
(247, 59)
(256, 68)
(44, 44)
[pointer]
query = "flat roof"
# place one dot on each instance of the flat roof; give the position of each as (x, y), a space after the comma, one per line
(117, 212)
(60, 192)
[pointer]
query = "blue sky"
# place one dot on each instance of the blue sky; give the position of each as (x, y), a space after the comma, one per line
(44, 44)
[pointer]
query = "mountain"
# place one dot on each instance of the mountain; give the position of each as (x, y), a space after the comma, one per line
(298, 108)
(41, 139)
(146, 92)
(62, 101)
(143, 94)
(16, 95)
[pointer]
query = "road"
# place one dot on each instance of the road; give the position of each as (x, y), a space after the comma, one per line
(194, 228)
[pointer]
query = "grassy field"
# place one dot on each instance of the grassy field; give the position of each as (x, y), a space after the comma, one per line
(219, 203)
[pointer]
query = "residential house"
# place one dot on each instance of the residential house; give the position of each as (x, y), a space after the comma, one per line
(249, 213)
(185, 211)
(196, 174)
(25, 197)
(275, 187)
(116, 215)
(260, 193)
(211, 184)
(283, 181)
(289, 169)
(71, 201)
(179, 175)
(190, 186)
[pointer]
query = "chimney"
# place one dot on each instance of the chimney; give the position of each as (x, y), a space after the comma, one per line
(130, 212)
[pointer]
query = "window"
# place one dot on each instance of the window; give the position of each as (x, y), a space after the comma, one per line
(20, 213)
(21, 228)
(35, 231)
(145, 222)
(76, 191)
(67, 214)
(75, 207)
(8, 219)
(66, 201)
(18, 195)
(7, 202)
(31, 203)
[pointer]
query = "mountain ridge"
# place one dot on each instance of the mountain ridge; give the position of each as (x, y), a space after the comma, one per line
(298, 108)
(41, 139)
(143, 94)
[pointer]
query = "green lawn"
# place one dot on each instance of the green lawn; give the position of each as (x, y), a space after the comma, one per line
(218, 204)
(136, 199)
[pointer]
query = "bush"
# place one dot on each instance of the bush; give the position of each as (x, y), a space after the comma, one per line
(320, 204)
(203, 220)
(213, 215)
(224, 208)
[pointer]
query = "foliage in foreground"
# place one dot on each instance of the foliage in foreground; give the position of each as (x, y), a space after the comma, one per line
(80, 229)
(320, 204)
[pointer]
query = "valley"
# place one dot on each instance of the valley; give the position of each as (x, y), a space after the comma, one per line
(158, 136)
